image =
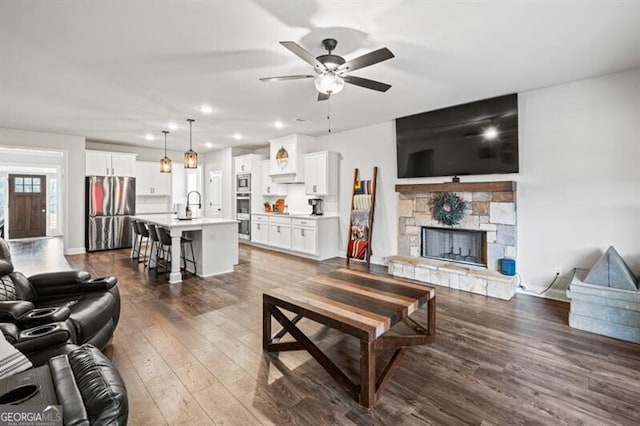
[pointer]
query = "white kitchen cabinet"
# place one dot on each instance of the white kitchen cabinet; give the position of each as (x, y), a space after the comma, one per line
(149, 180)
(123, 164)
(260, 229)
(103, 163)
(243, 164)
(269, 187)
(285, 156)
(304, 236)
(98, 163)
(321, 173)
(249, 163)
(316, 237)
(280, 232)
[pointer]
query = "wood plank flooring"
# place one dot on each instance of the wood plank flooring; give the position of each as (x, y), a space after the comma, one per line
(190, 353)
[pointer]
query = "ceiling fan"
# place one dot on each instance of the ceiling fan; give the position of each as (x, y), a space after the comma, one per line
(332, 70)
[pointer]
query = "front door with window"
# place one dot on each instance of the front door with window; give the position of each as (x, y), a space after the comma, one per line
(27, 206)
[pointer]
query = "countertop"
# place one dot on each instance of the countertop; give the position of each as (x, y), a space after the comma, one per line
(171, 221)
(300, 215)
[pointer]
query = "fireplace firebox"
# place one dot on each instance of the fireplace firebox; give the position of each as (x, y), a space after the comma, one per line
(454, 245)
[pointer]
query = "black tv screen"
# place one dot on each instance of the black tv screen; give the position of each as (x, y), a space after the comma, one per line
(471, 139)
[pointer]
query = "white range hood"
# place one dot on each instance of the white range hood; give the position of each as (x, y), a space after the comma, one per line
(286, 158)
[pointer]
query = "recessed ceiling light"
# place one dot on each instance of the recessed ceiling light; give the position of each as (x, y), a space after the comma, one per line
(172, 126)
(209, 145)
(278, 124)
(206, 109)
(237, 136)
(149, 137)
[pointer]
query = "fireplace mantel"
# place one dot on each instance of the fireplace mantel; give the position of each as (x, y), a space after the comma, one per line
(497, 186)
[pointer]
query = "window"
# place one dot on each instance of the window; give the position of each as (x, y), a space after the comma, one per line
(27, 184)
(52, 196)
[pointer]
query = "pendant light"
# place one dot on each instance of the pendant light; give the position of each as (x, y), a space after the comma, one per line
(190, 157)
(165, 162)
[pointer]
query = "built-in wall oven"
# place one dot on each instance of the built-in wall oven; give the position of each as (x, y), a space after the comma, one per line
(243, 215)
(243, 182)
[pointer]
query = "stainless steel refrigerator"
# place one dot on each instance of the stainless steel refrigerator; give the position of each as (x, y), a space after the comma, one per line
(111, 201)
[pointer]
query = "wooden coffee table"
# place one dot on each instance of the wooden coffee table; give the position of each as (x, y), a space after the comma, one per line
(375, 309)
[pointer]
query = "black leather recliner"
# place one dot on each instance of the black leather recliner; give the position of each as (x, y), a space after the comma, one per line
(90, 308)
(89, 388)
(85, 382)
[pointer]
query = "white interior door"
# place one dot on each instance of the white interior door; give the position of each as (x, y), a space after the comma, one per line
(215, 189)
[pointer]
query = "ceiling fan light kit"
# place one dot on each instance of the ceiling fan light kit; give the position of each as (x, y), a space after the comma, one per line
(332, 70)
(165, 162)
(190, 157)
(329, 83)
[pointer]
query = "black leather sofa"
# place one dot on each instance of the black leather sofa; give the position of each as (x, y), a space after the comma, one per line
(83, 381)
(86, 309)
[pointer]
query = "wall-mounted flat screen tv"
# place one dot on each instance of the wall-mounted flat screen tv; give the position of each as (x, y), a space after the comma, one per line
(477, 138)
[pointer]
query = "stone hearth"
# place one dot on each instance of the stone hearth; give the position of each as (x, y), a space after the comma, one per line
(448, 274)
(491, 208)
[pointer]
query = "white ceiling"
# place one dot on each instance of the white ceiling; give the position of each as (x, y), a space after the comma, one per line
(114, 70)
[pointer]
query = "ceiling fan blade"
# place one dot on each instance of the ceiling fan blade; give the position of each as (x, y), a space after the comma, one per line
(366, 83)
(285, 77)
(323, 96)
(303, 54)
(366, 60)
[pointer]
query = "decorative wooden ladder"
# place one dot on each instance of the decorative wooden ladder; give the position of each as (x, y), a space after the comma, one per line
(363, 205)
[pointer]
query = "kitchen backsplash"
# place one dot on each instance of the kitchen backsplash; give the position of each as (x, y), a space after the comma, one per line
(297, 203)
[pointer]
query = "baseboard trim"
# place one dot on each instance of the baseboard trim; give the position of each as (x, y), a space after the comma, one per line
(76, 250)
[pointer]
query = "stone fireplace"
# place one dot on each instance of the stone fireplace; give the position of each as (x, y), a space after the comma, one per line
(465, 256)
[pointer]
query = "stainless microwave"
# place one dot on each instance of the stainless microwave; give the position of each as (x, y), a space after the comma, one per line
(243, 182)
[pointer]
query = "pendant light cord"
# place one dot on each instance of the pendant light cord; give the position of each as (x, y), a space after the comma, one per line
(329, 112)
(165, 142)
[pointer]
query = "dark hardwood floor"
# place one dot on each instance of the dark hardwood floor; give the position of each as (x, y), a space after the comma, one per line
(190, 353)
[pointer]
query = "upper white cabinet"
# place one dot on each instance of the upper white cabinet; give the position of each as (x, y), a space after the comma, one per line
(243, 164)
(103, 163)
(321, 173)
(123, 164)
(249, 163)
(149, 180)
(269, 187)
(286, 160)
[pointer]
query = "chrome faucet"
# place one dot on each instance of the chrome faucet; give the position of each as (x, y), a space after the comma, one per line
(189, 202)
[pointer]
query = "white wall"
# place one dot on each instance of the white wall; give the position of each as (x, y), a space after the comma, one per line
(73, 186)
(365, 148)
(220, 160)
(579, 180)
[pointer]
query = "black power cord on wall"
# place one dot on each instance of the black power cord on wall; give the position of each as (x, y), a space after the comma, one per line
(520, 285)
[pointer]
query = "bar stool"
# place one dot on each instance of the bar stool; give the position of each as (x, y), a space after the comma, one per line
(166, 243)
(137, 240)
(144, 234)
(163, 256)
(183, 243)
(155, 244)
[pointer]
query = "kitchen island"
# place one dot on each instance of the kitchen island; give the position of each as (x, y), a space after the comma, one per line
(215, 242)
